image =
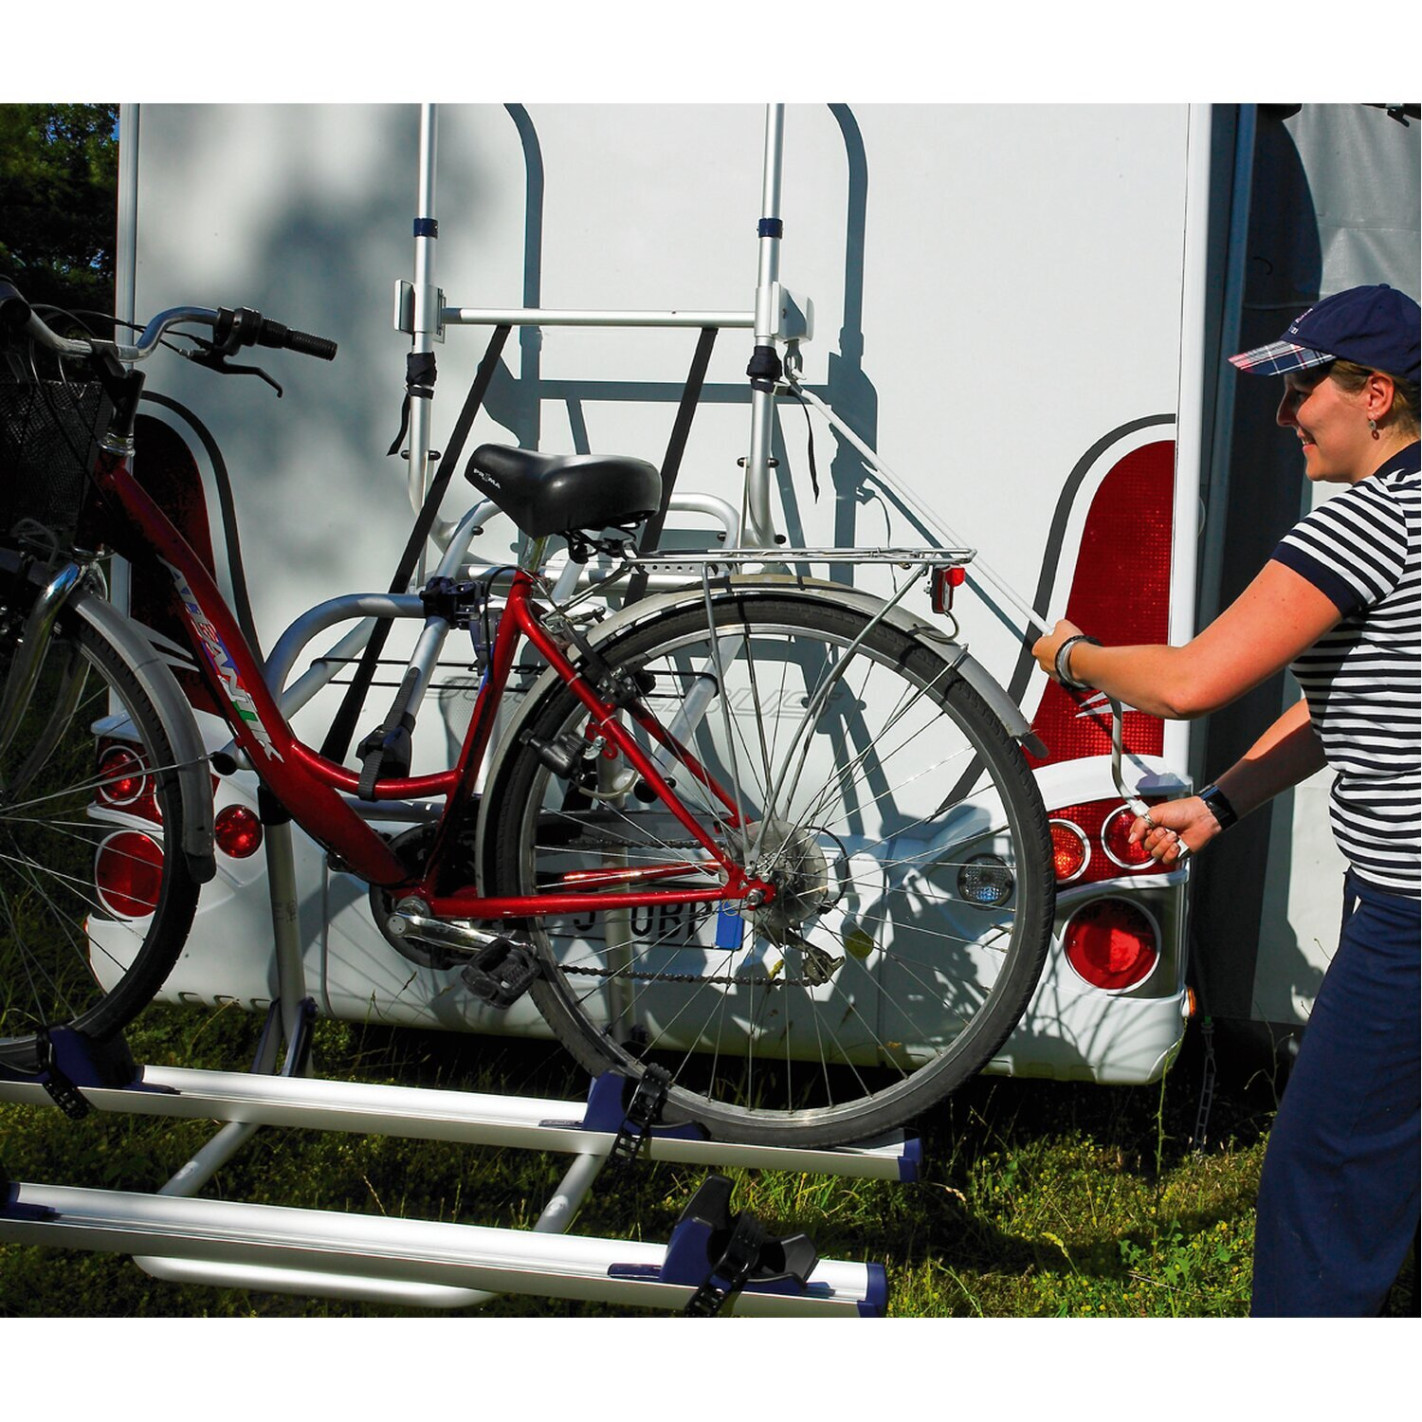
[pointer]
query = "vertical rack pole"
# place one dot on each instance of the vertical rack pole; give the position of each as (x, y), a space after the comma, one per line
(758, 531)
(427, 307)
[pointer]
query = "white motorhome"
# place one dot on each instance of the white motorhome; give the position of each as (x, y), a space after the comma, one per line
(1024, 310)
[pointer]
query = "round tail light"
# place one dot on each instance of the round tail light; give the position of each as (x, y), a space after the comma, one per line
(128, 874)
(1070, 851)
(238, 831)
(1115, 840)
(1111, 944)
(122, 776)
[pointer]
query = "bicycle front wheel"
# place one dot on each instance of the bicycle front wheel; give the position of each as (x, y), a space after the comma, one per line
(862, 778)
(96, 897)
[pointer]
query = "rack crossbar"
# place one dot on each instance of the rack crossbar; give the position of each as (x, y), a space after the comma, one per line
(319, 1244)
(421, 1113)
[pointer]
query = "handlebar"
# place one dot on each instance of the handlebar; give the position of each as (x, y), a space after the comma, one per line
(232, 329)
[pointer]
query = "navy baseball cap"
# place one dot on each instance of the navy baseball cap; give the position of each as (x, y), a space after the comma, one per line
(1373, 326)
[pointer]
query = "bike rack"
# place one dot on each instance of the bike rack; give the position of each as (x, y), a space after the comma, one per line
(419, 1263)
(706, 1266)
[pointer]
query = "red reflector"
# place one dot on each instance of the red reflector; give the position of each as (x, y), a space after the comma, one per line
(1069, 850)
(1112, 944)
(1115, 837)
(944, 581)
(128, 874)
(238, 831)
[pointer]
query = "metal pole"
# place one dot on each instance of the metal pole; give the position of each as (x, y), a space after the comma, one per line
(427, 306)
(757, 529)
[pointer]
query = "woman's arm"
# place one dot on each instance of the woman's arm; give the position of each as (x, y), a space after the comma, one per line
(1278, 616)
(1285, 754)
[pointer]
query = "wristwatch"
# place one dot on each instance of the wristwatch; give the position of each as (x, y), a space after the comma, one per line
(1219, 806)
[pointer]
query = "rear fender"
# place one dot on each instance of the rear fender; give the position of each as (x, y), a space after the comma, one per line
(780, 586)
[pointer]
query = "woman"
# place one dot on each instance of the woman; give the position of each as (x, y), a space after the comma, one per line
(1337, 603)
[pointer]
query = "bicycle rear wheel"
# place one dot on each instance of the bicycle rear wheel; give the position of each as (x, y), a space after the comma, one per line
(96, 897)
(891, 811)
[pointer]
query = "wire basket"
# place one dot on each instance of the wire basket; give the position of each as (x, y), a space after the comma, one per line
(48, 435)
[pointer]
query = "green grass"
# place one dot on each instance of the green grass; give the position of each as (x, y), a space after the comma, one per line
(1039, 1199)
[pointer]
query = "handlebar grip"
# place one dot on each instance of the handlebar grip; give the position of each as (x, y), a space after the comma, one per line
(14, 309)
(273, 333)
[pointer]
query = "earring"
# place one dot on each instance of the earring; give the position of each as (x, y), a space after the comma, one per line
(1373, 426)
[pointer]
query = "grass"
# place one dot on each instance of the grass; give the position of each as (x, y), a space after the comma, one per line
(1039, 1199)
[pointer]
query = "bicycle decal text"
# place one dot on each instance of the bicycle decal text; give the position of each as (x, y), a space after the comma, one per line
(222, 664)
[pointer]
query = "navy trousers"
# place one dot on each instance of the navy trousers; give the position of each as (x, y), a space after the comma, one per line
(1338, 1198)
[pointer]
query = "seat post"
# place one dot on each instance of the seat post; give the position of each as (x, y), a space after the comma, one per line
(530, 558)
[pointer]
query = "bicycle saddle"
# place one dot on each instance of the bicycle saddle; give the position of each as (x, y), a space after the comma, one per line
(551, 493)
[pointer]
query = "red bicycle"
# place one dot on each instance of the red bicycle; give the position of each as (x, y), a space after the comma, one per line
(769, 837)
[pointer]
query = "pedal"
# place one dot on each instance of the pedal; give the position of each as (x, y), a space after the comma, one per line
(500, 973)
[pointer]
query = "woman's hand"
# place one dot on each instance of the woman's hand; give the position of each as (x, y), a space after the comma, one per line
(1045, 648)
(1188, 822)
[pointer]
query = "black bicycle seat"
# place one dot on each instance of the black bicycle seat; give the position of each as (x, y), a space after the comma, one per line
(552, 493)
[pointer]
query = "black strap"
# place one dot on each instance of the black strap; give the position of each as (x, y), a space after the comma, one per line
(420, 376)
(338, 738)
(729, 1274)
(643, 1112)
(676, 448)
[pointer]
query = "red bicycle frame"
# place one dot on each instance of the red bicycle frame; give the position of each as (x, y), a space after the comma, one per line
(311, 787)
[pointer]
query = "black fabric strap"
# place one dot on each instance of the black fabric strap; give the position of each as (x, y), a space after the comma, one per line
(338, 738)
(676, 448)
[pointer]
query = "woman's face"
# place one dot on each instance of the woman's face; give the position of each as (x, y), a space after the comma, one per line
(1332, 427)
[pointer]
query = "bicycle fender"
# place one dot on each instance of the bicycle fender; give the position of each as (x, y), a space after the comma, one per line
(162, 689)
(779, 585)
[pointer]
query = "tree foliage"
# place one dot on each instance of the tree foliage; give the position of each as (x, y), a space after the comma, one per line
(58, 202)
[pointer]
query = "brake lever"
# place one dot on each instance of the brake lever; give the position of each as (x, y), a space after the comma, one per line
(212, 358)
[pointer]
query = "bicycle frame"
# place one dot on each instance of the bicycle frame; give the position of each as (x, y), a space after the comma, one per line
(312, 788)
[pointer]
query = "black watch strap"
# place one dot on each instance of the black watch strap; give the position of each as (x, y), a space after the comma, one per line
(1219, 806)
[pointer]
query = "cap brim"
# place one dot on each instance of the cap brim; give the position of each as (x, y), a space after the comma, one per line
(1278, 358)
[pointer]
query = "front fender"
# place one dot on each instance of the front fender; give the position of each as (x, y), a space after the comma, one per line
(162, 689)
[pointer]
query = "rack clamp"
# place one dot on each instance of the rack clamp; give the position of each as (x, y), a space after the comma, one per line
(724, 1254)
(70, 1060)
(643, 1113)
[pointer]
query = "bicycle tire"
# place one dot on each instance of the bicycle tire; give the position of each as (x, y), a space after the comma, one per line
(909, 795)
(96, 897)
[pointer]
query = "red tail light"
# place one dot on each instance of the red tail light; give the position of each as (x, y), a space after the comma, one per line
(238, 831)
(1070, 851)
(124, 782)
(1089, 844)
(1112, 944)
(1115, 837)
(128, 874)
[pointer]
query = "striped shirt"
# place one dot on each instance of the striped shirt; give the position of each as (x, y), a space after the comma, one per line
(1361, 678)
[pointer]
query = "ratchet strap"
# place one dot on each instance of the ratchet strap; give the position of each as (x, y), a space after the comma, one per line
(338, 738)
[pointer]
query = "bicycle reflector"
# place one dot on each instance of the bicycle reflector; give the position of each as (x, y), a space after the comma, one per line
(1112, 944)
(985, 881)
(238, 832)
(943, 582)
(128, 874)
